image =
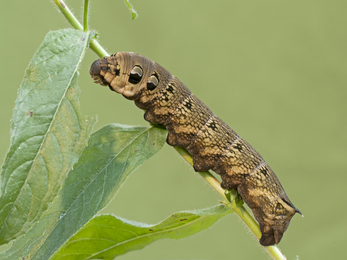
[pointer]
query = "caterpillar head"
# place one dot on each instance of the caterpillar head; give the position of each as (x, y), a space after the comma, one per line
(125, 73)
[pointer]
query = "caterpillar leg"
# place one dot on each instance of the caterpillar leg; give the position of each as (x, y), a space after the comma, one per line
(227, 182)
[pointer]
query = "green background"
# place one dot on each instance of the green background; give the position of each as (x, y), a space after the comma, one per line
(275, 71)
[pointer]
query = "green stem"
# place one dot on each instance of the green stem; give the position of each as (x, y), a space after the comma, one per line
(240, 211)
(97, 48)
(68, 14)
(94, 45)
(85, 15)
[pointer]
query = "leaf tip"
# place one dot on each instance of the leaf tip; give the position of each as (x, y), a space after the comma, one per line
(134, 14)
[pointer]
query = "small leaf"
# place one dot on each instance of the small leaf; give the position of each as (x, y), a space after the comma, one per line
(238, 200)
(106, 237)
(48, 133)
(131, 9)
(233, 196)
(227, 195)
(112, 154)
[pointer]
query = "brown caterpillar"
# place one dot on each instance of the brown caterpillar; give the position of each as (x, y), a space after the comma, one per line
(211, 142)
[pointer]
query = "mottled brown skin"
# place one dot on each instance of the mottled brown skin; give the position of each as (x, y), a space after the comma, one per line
(211, 142)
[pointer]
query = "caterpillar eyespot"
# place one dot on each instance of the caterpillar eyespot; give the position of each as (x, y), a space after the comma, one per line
(135, 75)
(153, 82)
(210, 141)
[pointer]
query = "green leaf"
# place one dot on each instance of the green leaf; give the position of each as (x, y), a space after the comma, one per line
(113, 152)
(106, 237)
(131, 9)
(227, 194)
(238, 201)
(48, 134)
(234, 197)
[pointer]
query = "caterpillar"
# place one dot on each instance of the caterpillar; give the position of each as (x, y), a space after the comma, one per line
(210, 141)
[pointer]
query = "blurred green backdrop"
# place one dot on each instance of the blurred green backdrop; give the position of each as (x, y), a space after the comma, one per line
(275, 71)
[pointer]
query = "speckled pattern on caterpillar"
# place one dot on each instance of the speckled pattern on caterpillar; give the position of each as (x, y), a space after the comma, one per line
(211, 142)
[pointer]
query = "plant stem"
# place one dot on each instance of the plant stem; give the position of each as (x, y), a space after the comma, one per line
(85, 15)
(97, 48)
(94, 45)
(68, 14)
(240, 211)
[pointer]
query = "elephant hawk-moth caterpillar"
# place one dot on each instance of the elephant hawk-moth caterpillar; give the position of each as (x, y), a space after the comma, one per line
(210, 141)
